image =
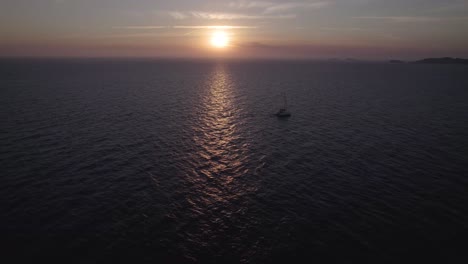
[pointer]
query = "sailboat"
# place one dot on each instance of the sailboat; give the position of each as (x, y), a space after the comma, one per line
(283, 112)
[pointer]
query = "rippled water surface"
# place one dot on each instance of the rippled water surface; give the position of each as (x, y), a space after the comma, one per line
(183, 161)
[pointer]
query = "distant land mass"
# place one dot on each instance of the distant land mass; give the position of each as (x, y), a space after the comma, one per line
(396, 61)
(446, 60)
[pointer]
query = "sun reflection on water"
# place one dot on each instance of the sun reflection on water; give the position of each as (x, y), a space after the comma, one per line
(219, 179)
(218, 136)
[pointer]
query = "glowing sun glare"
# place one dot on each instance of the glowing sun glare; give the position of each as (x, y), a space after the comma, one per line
(219, 39)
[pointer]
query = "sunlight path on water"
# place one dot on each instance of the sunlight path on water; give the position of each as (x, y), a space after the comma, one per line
(220, 177)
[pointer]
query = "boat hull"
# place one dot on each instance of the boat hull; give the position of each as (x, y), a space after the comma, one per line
(283, 114)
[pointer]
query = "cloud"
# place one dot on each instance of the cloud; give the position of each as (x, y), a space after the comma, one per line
(261, 10)
(214, 27)
(250, 4)
(448, 7)
(225, 16)
(412, 19)
(141, 27)
(275, 7)
(348, 29)
(293, 5)
(185, 27)
(178, 15)
(255, 45)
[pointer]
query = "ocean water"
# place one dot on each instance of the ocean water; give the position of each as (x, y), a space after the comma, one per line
(160, 161)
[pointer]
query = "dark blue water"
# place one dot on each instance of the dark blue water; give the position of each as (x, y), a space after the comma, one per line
(183, 161)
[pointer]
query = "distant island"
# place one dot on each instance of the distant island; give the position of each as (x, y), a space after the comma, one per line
(396, 61)
(446, 60)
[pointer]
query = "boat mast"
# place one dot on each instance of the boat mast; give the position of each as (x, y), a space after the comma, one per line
(285, 101)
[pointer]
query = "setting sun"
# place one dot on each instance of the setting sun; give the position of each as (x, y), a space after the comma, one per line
(219, 39)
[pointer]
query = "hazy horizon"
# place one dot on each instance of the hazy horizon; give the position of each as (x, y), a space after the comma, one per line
(360, 29)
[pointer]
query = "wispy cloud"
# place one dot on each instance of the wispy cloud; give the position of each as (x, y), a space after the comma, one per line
(255, 45)
(225, 16)
(141, 27)
(185, 27)
(275, 7)
(448, 7)
(252, 10)
(344, 29)
(250, 4)
(412, 19)
(178, 15)
(214, 27)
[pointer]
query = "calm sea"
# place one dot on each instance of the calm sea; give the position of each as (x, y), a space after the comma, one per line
(183, 161)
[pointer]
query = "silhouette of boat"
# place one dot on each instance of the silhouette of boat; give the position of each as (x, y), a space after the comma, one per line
(283, 112)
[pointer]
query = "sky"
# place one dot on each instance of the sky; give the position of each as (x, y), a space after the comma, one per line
(321, 29)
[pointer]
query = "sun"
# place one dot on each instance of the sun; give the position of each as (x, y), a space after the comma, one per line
(219, 39)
